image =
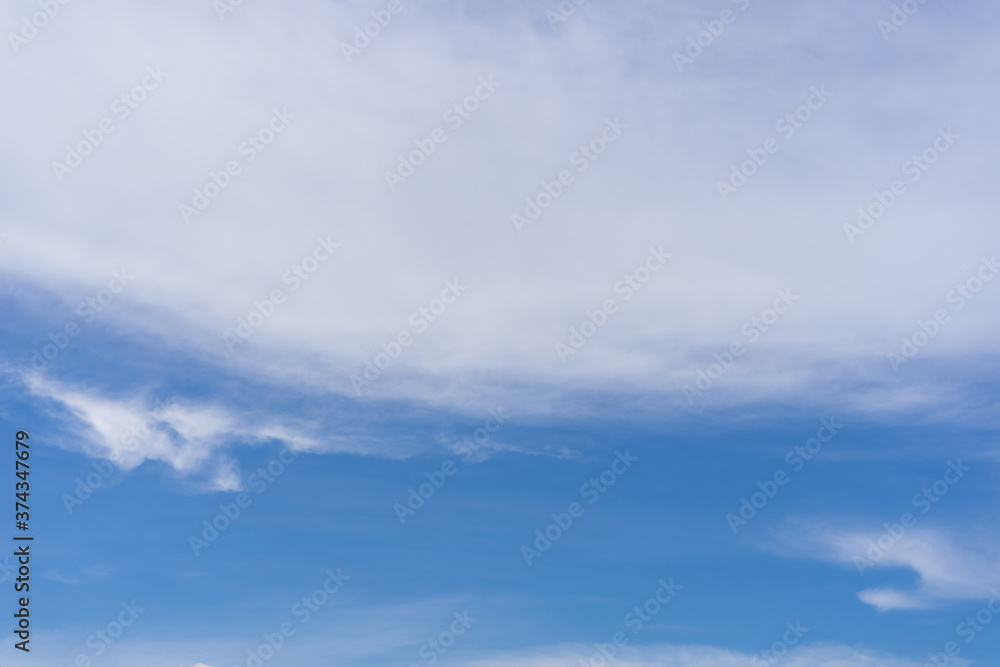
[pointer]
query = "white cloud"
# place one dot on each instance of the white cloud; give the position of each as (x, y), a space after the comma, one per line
(885, 599)
(949, 565)
(191, 439)
(324, 176)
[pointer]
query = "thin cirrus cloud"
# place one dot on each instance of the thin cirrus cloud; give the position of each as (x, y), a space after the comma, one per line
(818, 655)
(655, 186)
(367, 650)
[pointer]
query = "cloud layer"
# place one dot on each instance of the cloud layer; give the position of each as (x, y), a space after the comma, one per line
(223, 89)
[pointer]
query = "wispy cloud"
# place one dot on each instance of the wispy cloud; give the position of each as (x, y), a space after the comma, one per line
(949, 565)
(191, 439)
(820, 655)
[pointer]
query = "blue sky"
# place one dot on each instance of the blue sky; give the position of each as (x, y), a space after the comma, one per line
(718, 318)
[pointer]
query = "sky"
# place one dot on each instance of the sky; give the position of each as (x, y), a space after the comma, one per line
(538, 333)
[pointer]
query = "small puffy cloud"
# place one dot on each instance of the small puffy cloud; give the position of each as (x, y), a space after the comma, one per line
(192, 439)
(885, 599)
